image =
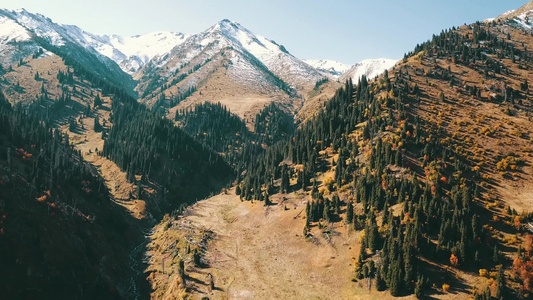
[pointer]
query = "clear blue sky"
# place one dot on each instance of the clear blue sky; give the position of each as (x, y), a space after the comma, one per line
(346, 31)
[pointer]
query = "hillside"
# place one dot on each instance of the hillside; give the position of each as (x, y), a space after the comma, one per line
(24, 33)
(227, 63)
(429, 164)
(140, 163)
(57, 222)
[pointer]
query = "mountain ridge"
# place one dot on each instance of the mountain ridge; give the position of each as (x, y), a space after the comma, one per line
(167, 68)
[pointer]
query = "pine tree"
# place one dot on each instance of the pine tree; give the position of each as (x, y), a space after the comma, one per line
(97, 126)
(419, 287)
(266, 199)
(500, 283)
(285, 183)
(349, 213)
(325, 213)
(380, 282)
(495, 255)
(72, 125)
(395, 279)
(97, 101)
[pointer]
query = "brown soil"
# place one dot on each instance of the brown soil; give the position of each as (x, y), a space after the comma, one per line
(259, 252)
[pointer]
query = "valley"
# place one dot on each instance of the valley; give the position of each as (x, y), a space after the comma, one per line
(218, 165)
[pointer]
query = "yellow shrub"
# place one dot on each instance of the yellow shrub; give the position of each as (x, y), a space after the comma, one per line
(483, 272)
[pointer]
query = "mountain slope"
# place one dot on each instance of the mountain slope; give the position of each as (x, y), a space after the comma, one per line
(65, 96)
(226, 63)
(36, 31)
(431, 159)
(520, 13)
(57, 222)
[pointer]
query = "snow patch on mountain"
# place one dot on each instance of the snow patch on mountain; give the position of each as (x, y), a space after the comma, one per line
(332, 67)
(149, 45)
(131, 53)
(370, 68)
(12, 31)
(524, 20)
(273, 56)
(39, 24)
(260, 53)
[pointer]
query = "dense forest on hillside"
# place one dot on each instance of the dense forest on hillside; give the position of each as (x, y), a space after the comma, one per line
(224, 132)
(389, 155)
(219, 129)
(48, 197)
(164, 158)
(144, 144)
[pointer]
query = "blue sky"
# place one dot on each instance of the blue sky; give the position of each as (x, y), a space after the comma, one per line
(346, 31)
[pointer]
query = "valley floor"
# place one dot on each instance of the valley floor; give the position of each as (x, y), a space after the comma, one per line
(259, 252)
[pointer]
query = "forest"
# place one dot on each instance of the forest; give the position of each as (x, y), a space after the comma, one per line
(389, 155)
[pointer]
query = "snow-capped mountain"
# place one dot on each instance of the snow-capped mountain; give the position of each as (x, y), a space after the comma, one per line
(260, 51)
(332, 67)
(132, 53)
(22, 33)
(368, 67)
(521, 17)
(226, 62)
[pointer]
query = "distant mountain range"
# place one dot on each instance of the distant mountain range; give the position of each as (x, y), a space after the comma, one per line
(169, 71)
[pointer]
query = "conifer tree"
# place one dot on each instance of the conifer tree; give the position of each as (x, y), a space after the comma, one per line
(285, 183)
(380, 282)
(97, 101)
(349, 213)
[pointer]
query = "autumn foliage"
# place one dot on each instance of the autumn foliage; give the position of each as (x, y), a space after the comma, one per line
(23, 154)
(522, 270)
(454, 260)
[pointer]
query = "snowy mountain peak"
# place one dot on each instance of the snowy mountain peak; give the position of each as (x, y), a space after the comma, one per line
(131, 53)
(12, 31)
(368, 67)
(522, 17)
(331, 67)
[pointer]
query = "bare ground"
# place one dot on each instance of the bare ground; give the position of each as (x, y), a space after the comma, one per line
(259, 252)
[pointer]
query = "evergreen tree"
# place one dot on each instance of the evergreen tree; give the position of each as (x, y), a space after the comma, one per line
(97, 126)
(380, 282)
(500, 283)
(97, 101)
(266, 199)
(419, 287)
(285, 181)
(349, 213)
